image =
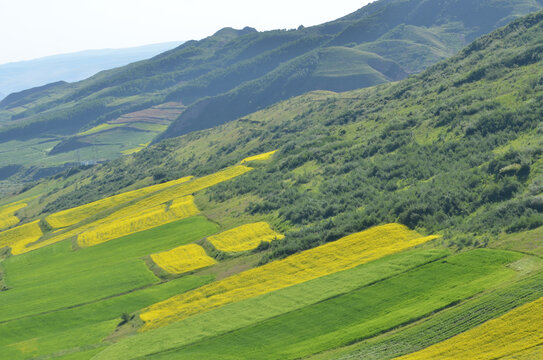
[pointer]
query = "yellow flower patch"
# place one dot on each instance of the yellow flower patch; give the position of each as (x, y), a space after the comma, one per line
(183, 259)
(343, 254)
(73, 216)
(7, 215)
(518, 331)
(19, 236)
(132, 223)
(166, 203)
(244, 238)
(259, 157)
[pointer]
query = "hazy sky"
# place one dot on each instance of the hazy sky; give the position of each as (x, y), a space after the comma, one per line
(36, 28)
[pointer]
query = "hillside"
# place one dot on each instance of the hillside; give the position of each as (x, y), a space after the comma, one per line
(234, 73)
(402, 220)
(23, 75)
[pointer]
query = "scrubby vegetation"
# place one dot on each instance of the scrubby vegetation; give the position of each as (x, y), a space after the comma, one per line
(234, 73)
(357, 183)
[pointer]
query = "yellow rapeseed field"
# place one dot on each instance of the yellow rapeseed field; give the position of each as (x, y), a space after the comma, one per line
(515, 332)
(73, 216)
(146, 218)
(343, 254)
(179, 191)
(146, 213)
(258, 157)
(245, 237)
(19, 236)
(7, 215)
(183, 259)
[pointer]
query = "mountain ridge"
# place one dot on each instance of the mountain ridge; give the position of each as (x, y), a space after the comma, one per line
(404, 218)
(236, 72)
(70, 67)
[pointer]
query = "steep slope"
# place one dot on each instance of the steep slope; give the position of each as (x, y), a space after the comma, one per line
(455, 151)
(472, 120)
(236, 72)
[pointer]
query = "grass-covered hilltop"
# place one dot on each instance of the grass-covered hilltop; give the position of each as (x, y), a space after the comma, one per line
(399, 221)
(231, 74)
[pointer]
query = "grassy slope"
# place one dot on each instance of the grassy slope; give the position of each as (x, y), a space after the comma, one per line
(446, 134)
(64, 299)
(358, 313)
(56, 277)
(445, 324)
(225, 69)
(375, 150)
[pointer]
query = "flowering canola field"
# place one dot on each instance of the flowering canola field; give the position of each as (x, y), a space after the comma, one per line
(343, 254)
(73, 216)
(21, 235)
(183, 259)
(518, 331)
(258, 157)
(244, 238)
(169, 203)
(146, 218)
(7, 215)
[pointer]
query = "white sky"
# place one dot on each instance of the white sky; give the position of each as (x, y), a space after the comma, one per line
(36, 28)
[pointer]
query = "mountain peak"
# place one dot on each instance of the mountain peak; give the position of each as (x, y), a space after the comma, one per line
(229, 31)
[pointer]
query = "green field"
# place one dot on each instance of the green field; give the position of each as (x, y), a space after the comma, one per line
(445, 324)
(454, 153)
(326, 312)
(359, 314)
(81, 294)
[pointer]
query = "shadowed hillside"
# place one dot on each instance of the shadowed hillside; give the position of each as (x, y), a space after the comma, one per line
(236, 72)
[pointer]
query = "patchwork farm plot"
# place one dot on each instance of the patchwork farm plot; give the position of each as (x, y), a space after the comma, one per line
(259, 157)
(518, 332)
(75, 215)
(155, 205)
(341, 255)
(24, 234)
(89, 282)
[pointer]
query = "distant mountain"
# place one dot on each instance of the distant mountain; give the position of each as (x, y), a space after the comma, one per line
(401, 219)
(71, 67)
(232, 73)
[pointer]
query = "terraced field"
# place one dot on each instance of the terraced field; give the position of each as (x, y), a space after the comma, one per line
(359, 314)
(59, 299)
(147, 218)
(21, 235)
(144, 208)
(75, 215)
(343, 254)
(444, 324)
(140, 263)
(259, 157)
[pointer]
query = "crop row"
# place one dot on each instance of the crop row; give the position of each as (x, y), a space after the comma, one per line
(75, 215)
(517, 331)
(169, 203)
(342, 254)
